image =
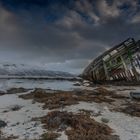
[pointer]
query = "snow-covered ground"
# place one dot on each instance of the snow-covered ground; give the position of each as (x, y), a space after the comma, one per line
(19, 123)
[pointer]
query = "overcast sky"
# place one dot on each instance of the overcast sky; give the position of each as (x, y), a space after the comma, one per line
(64, 34)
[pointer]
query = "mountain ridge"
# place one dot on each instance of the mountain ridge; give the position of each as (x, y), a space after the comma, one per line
(14, 70)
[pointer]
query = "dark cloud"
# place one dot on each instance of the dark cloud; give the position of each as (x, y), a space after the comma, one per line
(64, 34)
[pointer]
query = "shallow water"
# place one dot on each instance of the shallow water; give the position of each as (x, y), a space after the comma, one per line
(31, 84)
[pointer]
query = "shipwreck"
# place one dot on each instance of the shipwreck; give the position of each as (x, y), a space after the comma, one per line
(121, 62)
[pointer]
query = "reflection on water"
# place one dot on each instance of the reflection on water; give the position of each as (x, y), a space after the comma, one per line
(30, 84)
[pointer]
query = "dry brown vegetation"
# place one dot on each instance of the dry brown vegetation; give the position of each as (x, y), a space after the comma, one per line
(16, 90)
(77, 126)
(64, 98)
(49, 136)
(132, 109)
(60, 99)
(51, 100)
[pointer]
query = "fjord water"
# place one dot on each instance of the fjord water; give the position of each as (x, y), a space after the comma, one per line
(31, 84)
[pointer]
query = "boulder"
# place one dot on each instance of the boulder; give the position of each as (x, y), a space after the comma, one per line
(2, 124)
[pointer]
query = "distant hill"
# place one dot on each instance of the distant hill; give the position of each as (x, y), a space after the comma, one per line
(23, 71)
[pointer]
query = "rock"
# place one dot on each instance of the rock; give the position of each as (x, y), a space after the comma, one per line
(86, 83)
(13, 125)
(15, 108)
(35, 124)
(105, 120)
(5, 111)
(2, 93)
(17, 123)
(2, 124)
(77, 84)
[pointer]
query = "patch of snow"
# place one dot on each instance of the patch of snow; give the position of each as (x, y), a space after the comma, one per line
(63, 136)
(19, 123)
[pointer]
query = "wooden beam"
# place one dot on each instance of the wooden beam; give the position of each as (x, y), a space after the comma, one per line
(106, 71)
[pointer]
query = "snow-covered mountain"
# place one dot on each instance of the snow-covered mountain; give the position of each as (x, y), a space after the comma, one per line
(21, 70)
